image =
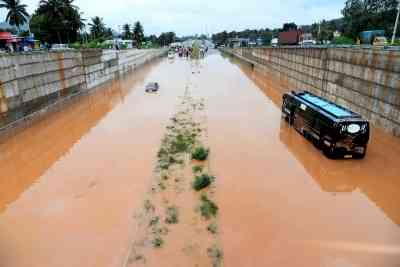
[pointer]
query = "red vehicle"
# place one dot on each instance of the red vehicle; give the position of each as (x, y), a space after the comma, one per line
(7, 39)
(290, 37)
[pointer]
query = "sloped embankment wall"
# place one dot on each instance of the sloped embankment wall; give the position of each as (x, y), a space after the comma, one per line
(34, 81)
(364, 80)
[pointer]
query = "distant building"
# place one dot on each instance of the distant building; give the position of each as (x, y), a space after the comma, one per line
(336, 34)
(238, 42)
(176, 45)
(306, 37)
(275, 42)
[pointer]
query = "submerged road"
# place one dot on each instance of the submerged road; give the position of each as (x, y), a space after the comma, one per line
(71, 183)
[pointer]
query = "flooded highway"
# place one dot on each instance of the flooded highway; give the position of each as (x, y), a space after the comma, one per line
(72, 184)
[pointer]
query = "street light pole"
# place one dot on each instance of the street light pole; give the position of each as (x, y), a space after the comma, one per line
(396, 23)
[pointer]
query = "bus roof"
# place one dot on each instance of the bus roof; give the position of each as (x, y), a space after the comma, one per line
(327, 106)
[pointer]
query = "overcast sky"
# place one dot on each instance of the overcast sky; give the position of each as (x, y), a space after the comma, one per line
(187, 17)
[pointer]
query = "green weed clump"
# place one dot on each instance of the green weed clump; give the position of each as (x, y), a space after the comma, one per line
(208, 208)
(200, 153)
(212, 228)
(154, 221)
(148, 206)
(197, 169)
(215, 253)
(202, 181)
(183, 142)
(172, 215)
(157, 242)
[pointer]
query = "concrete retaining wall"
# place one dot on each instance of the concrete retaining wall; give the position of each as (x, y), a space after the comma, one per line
(29, 82)
(364, 80)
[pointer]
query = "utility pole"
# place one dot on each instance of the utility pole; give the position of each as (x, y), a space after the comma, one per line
(396, 23)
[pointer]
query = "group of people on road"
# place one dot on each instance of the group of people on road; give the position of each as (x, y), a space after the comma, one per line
(188, 52)
(185, 52)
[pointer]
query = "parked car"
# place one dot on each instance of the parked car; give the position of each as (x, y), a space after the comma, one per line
(308, 43)
(59, 47)
(274, 42)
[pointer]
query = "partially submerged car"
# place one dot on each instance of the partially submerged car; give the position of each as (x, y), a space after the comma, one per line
(171, 54)
(152, 87)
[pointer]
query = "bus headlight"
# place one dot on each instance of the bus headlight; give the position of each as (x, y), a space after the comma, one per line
(353, 128)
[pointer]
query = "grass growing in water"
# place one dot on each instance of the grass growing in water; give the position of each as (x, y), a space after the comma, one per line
(157, 242)
(197, 169)
(212, 228)
(148, 206)
(154, 221)
(172, 215)
(202, 181)
(208, 208)
(200, 153)
(216, 255)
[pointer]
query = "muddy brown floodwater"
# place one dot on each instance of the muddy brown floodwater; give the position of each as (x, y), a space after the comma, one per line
(71, 184)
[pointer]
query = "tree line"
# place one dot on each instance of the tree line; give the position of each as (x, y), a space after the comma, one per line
(60, 21)
(358, 16)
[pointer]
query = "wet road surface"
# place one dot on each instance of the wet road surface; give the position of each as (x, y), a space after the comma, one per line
(71, 183)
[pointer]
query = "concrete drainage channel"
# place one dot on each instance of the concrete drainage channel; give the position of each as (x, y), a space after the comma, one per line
(31, 85)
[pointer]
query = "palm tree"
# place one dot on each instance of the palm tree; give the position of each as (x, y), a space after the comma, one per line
(17, 14)
(127, 34)
(97, 27)
(57, 20)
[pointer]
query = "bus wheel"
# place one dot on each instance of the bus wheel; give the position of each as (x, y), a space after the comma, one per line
(330, 152)
(287, 118)
(317, 143)
(290, 120)
(360, 155)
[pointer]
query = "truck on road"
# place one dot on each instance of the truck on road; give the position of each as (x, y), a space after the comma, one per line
(368, 37)
(291, 37)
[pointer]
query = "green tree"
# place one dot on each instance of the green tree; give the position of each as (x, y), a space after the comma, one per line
(266, 36)
(16, 15)
(57, 21)
(166, 38)
(220, 38)
(127, 34)
(353, 17)
(289, 26)
(362, 15)
(323, 31)
(109, 33)
(138, 33)
(97, 28)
